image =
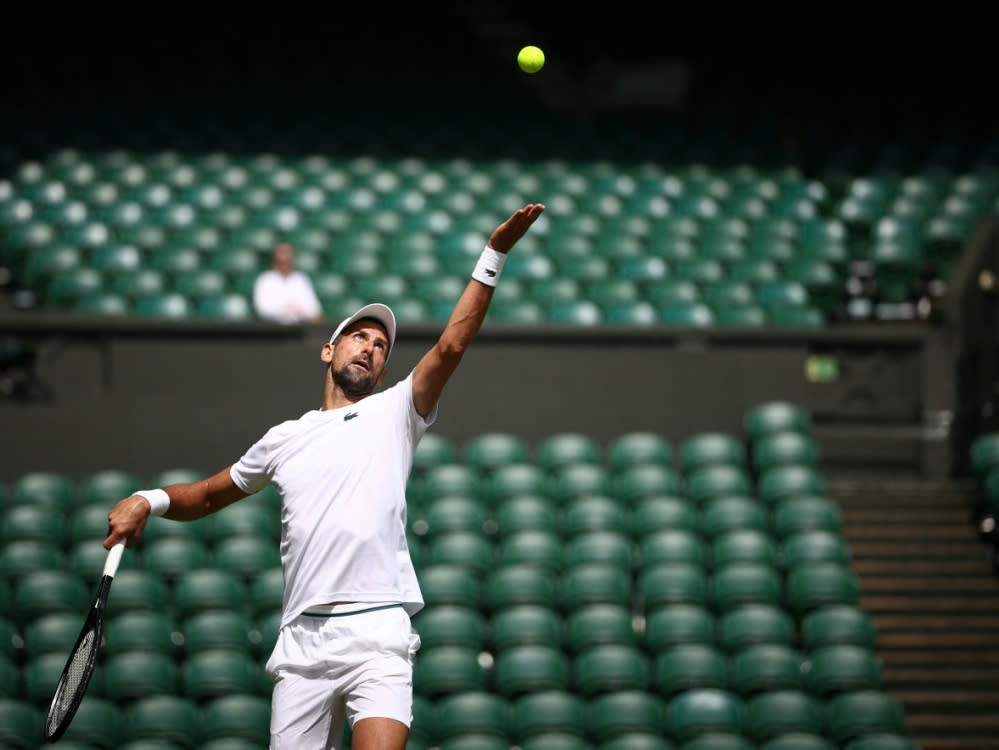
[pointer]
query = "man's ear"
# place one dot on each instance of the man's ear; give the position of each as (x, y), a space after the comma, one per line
(326, 355)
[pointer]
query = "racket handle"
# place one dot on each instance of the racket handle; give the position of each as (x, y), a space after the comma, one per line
(114, 558)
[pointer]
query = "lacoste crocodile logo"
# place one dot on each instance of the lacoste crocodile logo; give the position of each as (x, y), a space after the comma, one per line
(350, 416)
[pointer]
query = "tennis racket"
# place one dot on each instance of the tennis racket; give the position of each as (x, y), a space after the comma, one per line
(75, 677)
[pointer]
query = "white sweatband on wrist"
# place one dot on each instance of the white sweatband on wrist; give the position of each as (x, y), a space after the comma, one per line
(159, 501)
(489, 266)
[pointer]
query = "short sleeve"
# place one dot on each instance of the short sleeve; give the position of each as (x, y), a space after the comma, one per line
(249, 473)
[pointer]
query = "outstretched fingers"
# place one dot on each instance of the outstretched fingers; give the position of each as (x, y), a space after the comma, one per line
(511, 230)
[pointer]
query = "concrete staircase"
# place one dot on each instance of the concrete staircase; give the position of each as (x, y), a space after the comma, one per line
(927, 579)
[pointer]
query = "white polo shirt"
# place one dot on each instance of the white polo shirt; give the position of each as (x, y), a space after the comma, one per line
(342, 478)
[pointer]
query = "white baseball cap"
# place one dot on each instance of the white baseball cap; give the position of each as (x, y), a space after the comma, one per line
(376, 310)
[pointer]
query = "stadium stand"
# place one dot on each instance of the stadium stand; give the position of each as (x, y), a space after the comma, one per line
(623, 583)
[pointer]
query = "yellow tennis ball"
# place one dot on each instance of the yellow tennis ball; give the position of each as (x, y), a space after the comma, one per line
(531, 59)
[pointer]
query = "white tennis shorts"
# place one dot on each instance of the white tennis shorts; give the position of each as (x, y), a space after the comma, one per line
(328, 670)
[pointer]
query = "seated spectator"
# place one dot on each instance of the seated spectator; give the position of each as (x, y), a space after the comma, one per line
(284, 295)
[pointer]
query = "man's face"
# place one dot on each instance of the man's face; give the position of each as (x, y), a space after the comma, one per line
(357, 358)
(284, 259)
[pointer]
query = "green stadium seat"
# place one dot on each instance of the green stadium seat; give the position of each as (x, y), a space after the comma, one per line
(636, 448)
(780, 482)
(814, 547)
(207, 588)
(814, 585)
(594, 583)
(662, 512)
(51, 633)
(33, 523)
(672, 292)
(540, 715)
(147, 630)
(174, 556)
(447, 670)
(524, 512)
(200, 283)
(433, 450)
(573, 480)
(688, 666)
(676, 624)
(474, 552)
(530, 547)
(137, 589)
(452, 514)
(755, 624)
(104, 303)
(97, 722)
(744, 583)
(743, 546)
(19, 558)
(448, 625)
(587, 514)
(138, 673)
(20, 724)
(516, 480)
(10, 637)
(798, 741)
(718, 741)
(41, 674)
(728, 513)
(449, 584)
(613, 714)
(785, 448)
(41, 592)
(636, 313)
(530, 668)
(134, 284)
(226, 306)
(766, 667)
(716, 481)
(688, 314)
(108, 486)
(247, 555)
(215, 629)
(599, 624)
(703, 710)
(841, 668)
(559, 450)
(671, 546)
(882, 741)
(452, 479)
(637, 483)
(599, 547)
(249, 517)
(775, 417)
(475, 712)
(853, 714)
(672, 583)
(171, 305)
(44, 489)
(801, 513)
(213, 673)
(525, 625)
(166, 718)
(610, 668)
(838, 624)
(493, 450)
(778, 712)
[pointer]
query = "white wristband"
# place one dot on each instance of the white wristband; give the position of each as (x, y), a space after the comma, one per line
(159, 501)
(489, 267)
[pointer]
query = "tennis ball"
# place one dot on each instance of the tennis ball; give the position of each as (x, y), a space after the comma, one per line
(531, 59)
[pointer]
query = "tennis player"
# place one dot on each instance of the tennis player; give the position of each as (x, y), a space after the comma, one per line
(346, 645)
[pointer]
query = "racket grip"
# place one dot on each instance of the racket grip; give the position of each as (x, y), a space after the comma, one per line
(114, 558)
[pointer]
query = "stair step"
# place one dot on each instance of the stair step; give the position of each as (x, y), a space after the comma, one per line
(949, 622)
(959, 567)
(980, 700)
(937, 639)
(931, 586)
(919, 604)
(940, 657)
(971, 676)
(920, 516)
(947, 742)
(907, 549)
(910, 531)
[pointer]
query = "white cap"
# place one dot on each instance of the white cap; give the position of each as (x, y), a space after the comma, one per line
(375, 310)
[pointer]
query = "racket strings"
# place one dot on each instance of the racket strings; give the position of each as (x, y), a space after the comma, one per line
(72, 682)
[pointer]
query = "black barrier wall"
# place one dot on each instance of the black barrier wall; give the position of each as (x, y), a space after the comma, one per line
(149, 396)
